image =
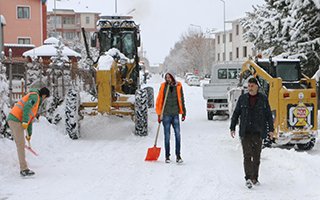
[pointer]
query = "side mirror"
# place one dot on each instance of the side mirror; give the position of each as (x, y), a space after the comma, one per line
(94, 40)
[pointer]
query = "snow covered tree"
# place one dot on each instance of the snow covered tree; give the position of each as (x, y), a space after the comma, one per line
(4, 102)
(193, 51)
(287, 27)
(4, 89)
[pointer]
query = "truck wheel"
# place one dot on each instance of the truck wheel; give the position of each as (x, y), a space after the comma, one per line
(210, 115)
(72, 114)
(141, 113)
(307, 146)
(150, 95)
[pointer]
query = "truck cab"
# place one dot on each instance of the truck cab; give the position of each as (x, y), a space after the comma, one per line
(223, 78)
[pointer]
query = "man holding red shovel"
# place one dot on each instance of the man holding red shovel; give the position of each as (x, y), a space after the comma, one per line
(20, 118)
(171, 107)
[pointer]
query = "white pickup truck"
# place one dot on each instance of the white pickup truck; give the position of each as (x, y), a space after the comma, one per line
(223, 78)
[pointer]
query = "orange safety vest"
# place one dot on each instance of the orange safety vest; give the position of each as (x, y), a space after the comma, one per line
(17, 109)
(160, 98)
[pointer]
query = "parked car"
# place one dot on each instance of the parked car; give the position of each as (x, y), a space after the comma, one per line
(194, 81)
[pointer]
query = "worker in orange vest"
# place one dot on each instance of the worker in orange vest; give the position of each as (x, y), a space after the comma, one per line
(174, 106)
(20, 118)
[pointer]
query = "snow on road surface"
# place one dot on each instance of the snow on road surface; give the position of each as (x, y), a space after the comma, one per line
(107, 162)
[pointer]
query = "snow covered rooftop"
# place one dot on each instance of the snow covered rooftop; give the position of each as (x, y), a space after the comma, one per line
(51, 40)
(50, 50)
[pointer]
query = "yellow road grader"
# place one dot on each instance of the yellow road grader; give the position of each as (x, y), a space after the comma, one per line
(115, 75)
(292, 97)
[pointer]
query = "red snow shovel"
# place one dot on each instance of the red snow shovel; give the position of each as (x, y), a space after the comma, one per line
(28, 147)
(154, 152)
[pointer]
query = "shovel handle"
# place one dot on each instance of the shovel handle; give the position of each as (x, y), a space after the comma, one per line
(164, 104)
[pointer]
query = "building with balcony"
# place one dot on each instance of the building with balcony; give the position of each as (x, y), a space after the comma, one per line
(237, 49)
(67, 23)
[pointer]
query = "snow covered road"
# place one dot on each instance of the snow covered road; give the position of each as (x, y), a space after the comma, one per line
(108, 163)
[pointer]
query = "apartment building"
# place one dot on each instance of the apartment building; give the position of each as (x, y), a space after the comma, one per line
(25, 21)
(67, 23)
(237, 49)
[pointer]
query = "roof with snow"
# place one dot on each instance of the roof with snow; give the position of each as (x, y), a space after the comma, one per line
(51, 40)
(50, 50)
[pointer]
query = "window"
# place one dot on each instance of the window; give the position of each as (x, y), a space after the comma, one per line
(23, 12)
(237, 52)
(232, 73)
(244, 51)
(69, 35)
(218, 39)
(87, 20)
(24, 41)
(237, 29)
(224, 38)
(230, 37)
(224, 56)
(218, 56)
(222, 73)
(230, 55)
(68, 20)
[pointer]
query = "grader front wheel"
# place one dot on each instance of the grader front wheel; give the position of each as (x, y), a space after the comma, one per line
(72, 116)
(141, 112)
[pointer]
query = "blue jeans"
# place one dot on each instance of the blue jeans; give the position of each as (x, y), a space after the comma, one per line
(167, 121)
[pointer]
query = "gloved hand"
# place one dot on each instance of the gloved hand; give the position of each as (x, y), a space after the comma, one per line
(183, 118)
(159, 119)
(28, 137)
(25, 125)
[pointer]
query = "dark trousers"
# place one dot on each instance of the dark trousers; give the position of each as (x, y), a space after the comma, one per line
(251, 146)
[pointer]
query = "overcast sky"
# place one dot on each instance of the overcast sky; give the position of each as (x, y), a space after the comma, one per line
(164, 21)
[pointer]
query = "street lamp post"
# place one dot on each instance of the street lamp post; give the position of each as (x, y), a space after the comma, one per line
(224, 30)
(55, 19)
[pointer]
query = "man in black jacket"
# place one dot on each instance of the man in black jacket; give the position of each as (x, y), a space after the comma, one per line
(255, 123)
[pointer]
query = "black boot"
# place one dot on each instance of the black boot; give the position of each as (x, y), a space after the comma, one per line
(167, 159)
(26, 172)
(179, 159)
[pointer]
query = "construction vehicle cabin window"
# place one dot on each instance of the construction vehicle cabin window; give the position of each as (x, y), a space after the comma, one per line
(128, 44)
(288, 71)
(105, 41)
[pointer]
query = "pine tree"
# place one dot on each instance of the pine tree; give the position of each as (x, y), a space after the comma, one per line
(287, 27)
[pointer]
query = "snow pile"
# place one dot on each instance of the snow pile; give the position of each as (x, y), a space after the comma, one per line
(106, 60)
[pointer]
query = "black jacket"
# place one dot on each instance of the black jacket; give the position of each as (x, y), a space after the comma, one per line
(262, 116)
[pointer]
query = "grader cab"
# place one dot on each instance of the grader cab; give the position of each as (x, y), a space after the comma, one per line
(292, 98)
(115, 75)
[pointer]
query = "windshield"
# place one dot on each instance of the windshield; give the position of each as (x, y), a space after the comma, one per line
(123, 41)
(289, 71)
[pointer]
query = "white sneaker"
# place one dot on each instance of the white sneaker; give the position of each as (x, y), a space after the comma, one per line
(249, 184)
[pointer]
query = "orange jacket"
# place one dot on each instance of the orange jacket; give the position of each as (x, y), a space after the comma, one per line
(17, 109)
(160, 98)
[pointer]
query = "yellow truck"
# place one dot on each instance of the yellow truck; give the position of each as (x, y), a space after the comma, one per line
(292, 98)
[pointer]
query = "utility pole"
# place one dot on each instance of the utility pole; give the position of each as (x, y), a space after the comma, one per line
(115, 6)
(224, 38)
(10, 77)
